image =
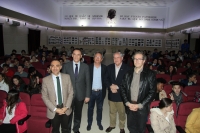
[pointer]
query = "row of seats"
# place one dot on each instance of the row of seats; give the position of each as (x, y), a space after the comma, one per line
(182, 113)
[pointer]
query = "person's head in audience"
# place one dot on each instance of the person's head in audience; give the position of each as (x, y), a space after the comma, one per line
(43, 59)
(178, 59)
(22, 59)
(5, 68)
(179, 53)
(72, 48)
(176, 87)
(63, 48)
(172, 69)
(32, 53)
(188, 65)
(27, 64)
(23, 52)
(54, 49)
(12, 100)
(20, 68)
(61, 61)
(192, 77)
(34, 59)
(51, 54)
(48, 70)
(34, 80)
(160, 62)
(198, 60)
(155, 62)
(31, 71)
(4, 79)
(7, 60)
(150, 66)
(17, 83)
(76, 55)
(43, 53)
(14, 51)
(16, 62)
(160, 84)
(165, 105)
(12, 56)
(55, 67)
(155, 50)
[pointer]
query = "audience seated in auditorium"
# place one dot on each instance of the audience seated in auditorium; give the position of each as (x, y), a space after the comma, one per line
(34, 59)
(160, 94)
(161, 67)
(12, 57)
(162, 118)
(185, 46)
(178, 63)
(49, 70)
(155, 54)
(12, 111)
(34, 86)
(69, 53)
(54, 51)
(171, 71)
(7, 71)
(18, 83)
(193, 122)
(180, 56)
(64, 57)
(33, 71)
(7, 61)
(191, 80)
(27, 64)
(20, 71)
(16, 63)
(23, 53)
(4, 82)
(177, 95)
(171, 56)
(43, 60)
(155, 62)
(63, 51)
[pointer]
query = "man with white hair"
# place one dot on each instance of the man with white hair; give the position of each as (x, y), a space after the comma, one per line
(115, 73)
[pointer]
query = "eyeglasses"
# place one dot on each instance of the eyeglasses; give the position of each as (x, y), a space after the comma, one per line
(139, 59)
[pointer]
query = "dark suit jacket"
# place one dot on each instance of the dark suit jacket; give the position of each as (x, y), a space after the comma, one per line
(82, 84)
(103, 78)
(111, 79)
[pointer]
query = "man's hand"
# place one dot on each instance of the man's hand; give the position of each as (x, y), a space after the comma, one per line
(64, 109)
(59, 111)
(171, 96)
(114, 88)
(87, 100)
(133, 107)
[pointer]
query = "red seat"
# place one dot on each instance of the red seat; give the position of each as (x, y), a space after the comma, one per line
(42, 71)
(25, 97)
(164, 76)
(168, 89)
(3, 95)
(190, 91)
(178, 77)
(198, 77)
(38, 65)
(26, 80)
(180, 70)
(38, 115)
(184, 110)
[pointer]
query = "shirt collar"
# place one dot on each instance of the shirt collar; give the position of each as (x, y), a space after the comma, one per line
(118, 66)
(76, 63)
(139, 70)
(54, 76)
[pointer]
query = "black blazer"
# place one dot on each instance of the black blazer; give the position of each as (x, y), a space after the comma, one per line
(111, 79)
(103, 78)
(147, 88)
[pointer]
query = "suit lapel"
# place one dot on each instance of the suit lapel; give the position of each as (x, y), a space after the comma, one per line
(52, 86)
(120, 71)
(71, 70)
(63, 88)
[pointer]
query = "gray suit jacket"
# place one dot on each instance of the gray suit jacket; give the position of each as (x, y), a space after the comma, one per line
(82, 84)
(49, 95)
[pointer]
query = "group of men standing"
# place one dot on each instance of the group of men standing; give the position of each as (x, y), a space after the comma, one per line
(130, 91)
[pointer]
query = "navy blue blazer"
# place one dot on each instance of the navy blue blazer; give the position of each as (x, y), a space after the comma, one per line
(111, 79)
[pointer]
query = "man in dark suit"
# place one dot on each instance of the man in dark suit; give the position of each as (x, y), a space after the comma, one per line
(115, 73)
(80, 77)
(57, 94)
(97, 78)
(138, 89)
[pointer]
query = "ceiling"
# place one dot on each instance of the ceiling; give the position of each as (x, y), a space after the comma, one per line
(146, 3)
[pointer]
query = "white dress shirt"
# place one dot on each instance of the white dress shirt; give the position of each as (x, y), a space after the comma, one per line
(74, 66)
(4, 86)
(9, 116)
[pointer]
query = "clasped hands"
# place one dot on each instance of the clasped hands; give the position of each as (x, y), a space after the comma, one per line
(133, 107)
(61, 111)
(114, 88)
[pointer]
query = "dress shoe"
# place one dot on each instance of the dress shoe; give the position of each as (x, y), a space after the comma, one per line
(100, 127)
(109, 129)
(89, 127)
(77, 132)
(122, 131)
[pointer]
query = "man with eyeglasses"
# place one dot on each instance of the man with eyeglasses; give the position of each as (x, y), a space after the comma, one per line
(138, 88)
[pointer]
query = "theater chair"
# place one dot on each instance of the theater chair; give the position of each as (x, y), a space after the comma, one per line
(164, 76)
(42, 71)
(168, 89)
(38, 119)
(190, 91)
(178, 77)
(3, 95)
(184, 110)
(26, 80)
(180, 70)
(25, 97)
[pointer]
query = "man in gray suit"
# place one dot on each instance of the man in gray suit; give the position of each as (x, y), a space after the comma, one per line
(80, 77)
(57, 94)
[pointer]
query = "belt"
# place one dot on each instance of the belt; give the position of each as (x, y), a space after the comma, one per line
(133, 102)
(96, 89)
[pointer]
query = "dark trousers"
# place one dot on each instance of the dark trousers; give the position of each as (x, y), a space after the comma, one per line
(8, 128)
(96, 96)
(58, 120)
(77, 113)
(136, 121)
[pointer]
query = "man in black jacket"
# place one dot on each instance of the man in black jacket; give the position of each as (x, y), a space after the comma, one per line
(114, 75)
(137, 91)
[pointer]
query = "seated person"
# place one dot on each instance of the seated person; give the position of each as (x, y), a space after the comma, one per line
(171, 71)
(12, 111)
(18, 83)
(155, 62)
(162, 118)
(27, 64)
(188, 70)
(20, 71)
(16, 63)
(8, 72)
(160, 94)
(34, 86)
(7, 60)
(48, 70)
(34, 59)
(177, 95)
(4, 82)
(191, 80)
(33, 71)
(43, 60)
(161, 67)
(193, 121)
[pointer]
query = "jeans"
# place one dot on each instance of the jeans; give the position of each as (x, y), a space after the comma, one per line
(96, 96)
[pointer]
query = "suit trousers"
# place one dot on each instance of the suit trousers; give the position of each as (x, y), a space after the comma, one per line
(77, 107)
(136, 121)
(96, 96)
(58, 120)
(117, 107)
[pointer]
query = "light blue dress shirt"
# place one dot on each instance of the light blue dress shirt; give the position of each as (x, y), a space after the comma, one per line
(97, 83)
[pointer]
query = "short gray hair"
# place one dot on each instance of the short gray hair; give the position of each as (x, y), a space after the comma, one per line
(139, 52)
(121, 54)
(97, 52)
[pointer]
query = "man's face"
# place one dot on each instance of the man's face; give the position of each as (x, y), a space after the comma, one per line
(20, 69)
(176, 89)
(76, 56)
(117, 59)
(160, 87)
(193, 78)
(55, 67)
(98, 58)
(138, 60)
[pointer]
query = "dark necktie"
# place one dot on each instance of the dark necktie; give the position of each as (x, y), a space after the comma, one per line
(76, 70)
(59, 91)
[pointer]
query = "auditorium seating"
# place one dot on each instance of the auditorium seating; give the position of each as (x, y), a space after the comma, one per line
(26, 80)
(190, 91)
(38, 115)
(42, 71)
(180, 70)
(178, 77)
(164, 76)
(168, 89)
(25, 97)
(3, 95)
